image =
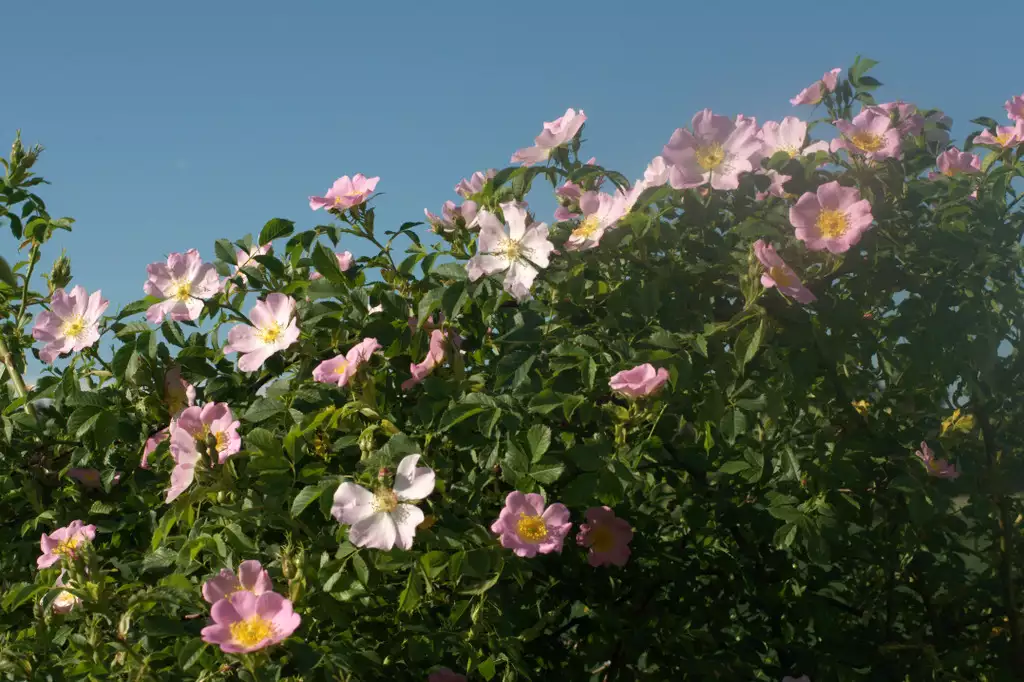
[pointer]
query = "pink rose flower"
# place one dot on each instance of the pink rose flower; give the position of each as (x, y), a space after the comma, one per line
(274, 329)
(65, 601)
(656, 173)
(909, 122)
(212, 419)
(1015, 108)
(186, 458)
(789, 137)
(600, 213)
(519, 253)
(89, 477)
(607, 537)
(832, 218)
(244, 622)
(527, 528)
(467, 188)
(178, 393)
(453, 217)
(71, 324)
(340, 369)
(445, 675)
(556, 133)
(716, 152)
(871, 134)
(63, 542)
(184, 282)
(778, 274)
(939, 468)
(344, 259)
(436, 354)
(345, 193)
(151, 445)
(251, 577)
(1007, 137)
(816, 91)
(379, 519)
(245, 259)
(953, 162)
(640, 381)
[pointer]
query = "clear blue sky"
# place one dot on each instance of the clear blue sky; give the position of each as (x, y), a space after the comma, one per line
(168, 125)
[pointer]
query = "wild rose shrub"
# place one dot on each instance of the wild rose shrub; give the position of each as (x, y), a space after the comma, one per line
(754, 417)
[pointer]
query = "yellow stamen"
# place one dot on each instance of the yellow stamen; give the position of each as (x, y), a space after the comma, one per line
(252, 631)
(221, 439)
(867, 142)
(531, 529)
(67, 547)
(587, 228)
(602, 539)
(181, 290)
(710, 157)
(384, 500)
(73, 328)
(340, 369)
(782, 276)
(832, 223)
(270, 334)
(511, 249)
(861, 406)
(1003, 139)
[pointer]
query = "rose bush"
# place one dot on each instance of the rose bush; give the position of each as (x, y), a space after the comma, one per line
(753, 417)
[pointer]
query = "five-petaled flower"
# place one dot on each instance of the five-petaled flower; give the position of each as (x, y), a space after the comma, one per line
(244, 622)
(640, 381)
(779, 275)
(953, 162)
(338, 370)
(183, 282)
(816, 91)
(520, 252)
(716, 152)
(345, 193)
(528, 528)
(555, 134)
(870, 134)
(600, 213)
(71, 324)
(938, 468)
(1007, 137)
(834, 218)
(64, 542)
(606, 536)
(251, 577)
(273, 329)
(381, 519)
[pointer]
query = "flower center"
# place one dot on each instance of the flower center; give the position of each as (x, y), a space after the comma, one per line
(221, 439)
(67, 547)
(710, 157)
(602, 539)
(934, 465)
(73, 327)
(65, 599)
(251, 632)
(782, 276)
(384, 500)
(1002, 139)
(531, 529)
(340, 369)
(866, 142)
(790, 151)
(512, 249)
(832, 223)
(587, 227)
(270, 334)
(181, 290)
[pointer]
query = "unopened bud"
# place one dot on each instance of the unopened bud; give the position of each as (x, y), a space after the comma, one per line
(388, 427)
(382, 473)
(60, 274)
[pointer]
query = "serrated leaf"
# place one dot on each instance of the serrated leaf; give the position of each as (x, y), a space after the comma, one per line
(547, 472)
(326, 263)
(275, 229)
(306, 497)
(263, 409)
(539, 439)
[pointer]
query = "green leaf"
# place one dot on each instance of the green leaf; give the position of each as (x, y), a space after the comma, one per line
(264, 441)
(226, 251)
(547, 472)
(734, 467)
(327, 264)
(306, 497)
(263, 409)
(430, 302)
(785, 536)
(539, 439)
(734, 425)
(456, 271)
(275, 229)
(6, 275)
(83, 419)
(412, 593)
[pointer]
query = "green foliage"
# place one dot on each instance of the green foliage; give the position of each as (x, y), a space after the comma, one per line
(781, 526)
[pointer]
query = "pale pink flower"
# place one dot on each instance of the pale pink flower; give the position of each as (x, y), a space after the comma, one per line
(63, 542)
(245, 259)
(446, 675)
(569, 190)
(178, 393)
(65, 602)
(244, 622)
(520, 252)
(340, 369)
(939, 468)
(555, 134)
(717, 151)
(274, 329)
(212, 419)
(379, 519)
(436, 354)
(871, 134)
(452, 216)
(607, 537)
(467, 188)
(909, 121)
(778, 274)
(183, 282)
(656, 174)
(816, 91)
(71, 324)
(1007, 137)
(789, 136)
(833, 218)
(776, 189)
(251, 577)
(151, 445)
(89, 477)
(1015, 108)
(345, 262)
(186, 457)
(600, 213)
(953, 162)
(527, 528)
(640, 381)
(345, 193)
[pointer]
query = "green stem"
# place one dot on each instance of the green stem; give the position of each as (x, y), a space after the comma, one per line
(33, 257)
(19, 383)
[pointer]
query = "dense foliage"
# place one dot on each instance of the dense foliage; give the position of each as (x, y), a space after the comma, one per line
(781, 524)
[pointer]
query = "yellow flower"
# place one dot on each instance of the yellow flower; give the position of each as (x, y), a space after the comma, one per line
(958, 422)
(861, 406)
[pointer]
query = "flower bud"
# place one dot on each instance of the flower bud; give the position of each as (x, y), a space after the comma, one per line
(60, 274)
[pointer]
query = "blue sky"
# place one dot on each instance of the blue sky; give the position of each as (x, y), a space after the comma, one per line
(169, 126)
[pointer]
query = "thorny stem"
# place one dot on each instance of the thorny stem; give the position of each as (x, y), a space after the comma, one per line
(19, 383)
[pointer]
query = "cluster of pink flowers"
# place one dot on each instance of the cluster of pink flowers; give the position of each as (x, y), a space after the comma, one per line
(247, 614)
(454, 216)
(62, 545)
(529, 528)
